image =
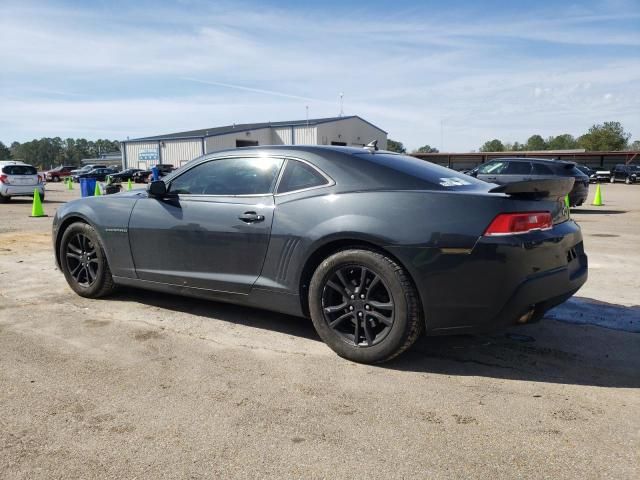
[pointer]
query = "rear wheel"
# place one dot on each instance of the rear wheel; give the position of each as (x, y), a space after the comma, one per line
(84, 262)
(4, 199)
(364, 306)
(56, 179)
(627, 181)
(612, 180)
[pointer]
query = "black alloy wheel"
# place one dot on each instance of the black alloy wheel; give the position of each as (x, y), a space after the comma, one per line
(83, 261)
(364, 306)
(358, 305)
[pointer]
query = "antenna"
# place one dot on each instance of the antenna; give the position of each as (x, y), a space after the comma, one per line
(341, 105)
(372, 146)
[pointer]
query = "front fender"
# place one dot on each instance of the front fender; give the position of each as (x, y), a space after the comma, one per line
(109, 216)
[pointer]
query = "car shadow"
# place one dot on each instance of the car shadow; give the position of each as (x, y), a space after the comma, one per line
(592, 211)
(549, 351)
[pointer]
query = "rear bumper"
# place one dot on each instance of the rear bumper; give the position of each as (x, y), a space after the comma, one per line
(500, 281)
(20, 190)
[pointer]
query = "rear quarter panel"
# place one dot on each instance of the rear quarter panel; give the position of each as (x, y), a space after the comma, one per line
(427, 220)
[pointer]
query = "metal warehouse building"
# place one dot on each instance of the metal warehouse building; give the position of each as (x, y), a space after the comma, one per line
(178, 148)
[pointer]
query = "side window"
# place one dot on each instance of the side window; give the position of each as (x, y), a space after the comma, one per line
(229, 176)
(540, 169)
(298, 175)
(518, 168)
(493, 168)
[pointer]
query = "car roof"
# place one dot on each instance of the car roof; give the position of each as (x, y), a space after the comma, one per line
(534, 159)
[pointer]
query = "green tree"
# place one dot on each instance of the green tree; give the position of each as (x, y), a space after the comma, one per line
(635, 146)
(394, 146)
(494, 145)
(5, 153)
(562, 142)
(536, 142)
(427, 149)
(608, 136)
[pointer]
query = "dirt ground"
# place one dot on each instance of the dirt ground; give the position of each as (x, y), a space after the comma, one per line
(143, 385)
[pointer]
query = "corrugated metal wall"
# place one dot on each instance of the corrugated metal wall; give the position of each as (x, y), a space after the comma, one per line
(281, 136)
(179, 152)
(139, 154)
(305, 135)
(221, 142)
(352, 131)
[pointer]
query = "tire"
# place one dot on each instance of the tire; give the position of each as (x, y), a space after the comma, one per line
(98, 281)
(612, 180)
(627, 181)
(366, 339)
(56, 179)
(4, 199)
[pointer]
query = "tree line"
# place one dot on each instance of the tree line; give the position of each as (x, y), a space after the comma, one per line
(602, 137)
(46, 153)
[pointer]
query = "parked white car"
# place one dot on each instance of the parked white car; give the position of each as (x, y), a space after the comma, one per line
(18, 179)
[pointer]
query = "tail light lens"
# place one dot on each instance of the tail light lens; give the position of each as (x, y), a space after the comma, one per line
(516, 223)
(4, 179)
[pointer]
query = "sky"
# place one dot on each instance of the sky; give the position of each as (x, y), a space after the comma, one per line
(449, 74)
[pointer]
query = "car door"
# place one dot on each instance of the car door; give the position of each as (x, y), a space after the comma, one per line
(213, 228)
(490, 171)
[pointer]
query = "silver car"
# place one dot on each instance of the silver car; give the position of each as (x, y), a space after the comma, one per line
(19, 179)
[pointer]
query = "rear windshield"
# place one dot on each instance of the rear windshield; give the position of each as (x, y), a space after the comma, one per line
(19, 170)
(439, 177)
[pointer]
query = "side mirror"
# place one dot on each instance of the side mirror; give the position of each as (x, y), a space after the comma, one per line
(157, 189)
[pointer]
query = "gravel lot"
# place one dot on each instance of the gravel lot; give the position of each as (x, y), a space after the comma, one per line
(143, 385)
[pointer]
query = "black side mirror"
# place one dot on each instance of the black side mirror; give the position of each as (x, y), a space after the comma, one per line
(157, 189)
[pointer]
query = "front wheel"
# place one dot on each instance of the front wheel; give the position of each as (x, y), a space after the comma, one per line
(84, 262)
(364, 306)
(627, 181)
(56, 179)
(612, 180)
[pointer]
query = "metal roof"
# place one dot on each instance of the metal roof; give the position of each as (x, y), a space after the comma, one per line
(242, 127)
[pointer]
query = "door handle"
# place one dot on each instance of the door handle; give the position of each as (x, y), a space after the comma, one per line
(251, 217)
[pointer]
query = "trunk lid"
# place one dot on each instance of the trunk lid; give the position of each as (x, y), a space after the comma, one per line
(548, 193)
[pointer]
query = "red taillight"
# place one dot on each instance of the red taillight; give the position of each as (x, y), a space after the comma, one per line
(514, 223)
(4, 179)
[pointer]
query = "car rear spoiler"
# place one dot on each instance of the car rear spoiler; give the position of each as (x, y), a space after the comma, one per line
(537, 189)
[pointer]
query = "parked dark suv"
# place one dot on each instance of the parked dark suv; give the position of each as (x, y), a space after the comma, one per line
(509, 170)
(625, 173)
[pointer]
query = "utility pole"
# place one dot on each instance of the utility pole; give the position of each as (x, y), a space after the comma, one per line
(341, 105)
(307, 109)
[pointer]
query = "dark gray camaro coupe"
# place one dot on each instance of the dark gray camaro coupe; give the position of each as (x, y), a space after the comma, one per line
(375, 247)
